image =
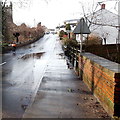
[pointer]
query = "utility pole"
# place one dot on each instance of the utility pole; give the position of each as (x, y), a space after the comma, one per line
(119, 22)
(81, 40)
(34, 22)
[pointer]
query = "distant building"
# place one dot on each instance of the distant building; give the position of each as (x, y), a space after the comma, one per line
(72, 22)
(105, 24)
(59, 28)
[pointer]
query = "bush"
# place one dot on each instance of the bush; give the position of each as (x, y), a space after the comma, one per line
(70, 42)
(61, 33)
(93, 40)
(68, 27)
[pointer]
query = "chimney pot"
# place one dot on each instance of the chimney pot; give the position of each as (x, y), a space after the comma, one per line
(103, 6)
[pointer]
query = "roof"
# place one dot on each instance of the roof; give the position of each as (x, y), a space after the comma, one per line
(72, 20)
(81, 28)
(101, 17)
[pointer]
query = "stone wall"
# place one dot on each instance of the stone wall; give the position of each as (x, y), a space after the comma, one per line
(103, 79)
(110, 52)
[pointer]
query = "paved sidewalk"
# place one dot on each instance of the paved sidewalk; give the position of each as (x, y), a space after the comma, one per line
(62, 94)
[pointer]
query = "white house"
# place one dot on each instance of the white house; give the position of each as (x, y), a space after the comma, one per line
(104, 24)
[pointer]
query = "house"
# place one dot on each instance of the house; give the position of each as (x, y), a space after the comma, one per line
(105, 24)
(72, 23)
(59, 28)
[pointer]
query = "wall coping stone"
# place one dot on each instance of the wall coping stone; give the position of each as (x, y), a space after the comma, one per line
(112, 66)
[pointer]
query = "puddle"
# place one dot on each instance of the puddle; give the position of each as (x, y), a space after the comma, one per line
(34, 55)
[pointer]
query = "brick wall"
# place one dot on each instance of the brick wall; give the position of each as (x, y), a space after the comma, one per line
(103, 79)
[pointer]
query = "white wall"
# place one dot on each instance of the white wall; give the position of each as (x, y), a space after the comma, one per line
(78, 37)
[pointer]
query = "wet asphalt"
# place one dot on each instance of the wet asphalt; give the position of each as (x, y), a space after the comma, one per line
(22, 73)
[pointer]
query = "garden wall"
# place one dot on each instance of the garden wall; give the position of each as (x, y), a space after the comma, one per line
(111, 51)
(103, 79)
(8, 48)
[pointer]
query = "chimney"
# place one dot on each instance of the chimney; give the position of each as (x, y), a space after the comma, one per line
(103, 6)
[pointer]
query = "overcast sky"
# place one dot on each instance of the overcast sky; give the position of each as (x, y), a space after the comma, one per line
(51, 13)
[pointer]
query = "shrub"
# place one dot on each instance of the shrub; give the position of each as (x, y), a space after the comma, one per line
(93, 40)
(68, 27)
(70, 42)
(61, 33)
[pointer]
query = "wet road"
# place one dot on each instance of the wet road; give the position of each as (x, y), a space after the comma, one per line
(22, 74)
